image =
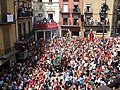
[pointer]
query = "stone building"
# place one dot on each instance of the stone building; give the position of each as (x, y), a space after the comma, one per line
(98, 17)
(70, 17)
(46, 18)
(15, 29)
(7, 33)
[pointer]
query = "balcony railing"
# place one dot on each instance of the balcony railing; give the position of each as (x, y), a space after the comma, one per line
(68, 24)
(25, 12)
(43, 26)
(97, 23)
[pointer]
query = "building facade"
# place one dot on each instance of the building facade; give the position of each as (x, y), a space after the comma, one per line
(15, 29)
(70, 16)
(116, 18)
(7, 33)
(47, 8)
(46, 18)
(24, 25)
(98, 17)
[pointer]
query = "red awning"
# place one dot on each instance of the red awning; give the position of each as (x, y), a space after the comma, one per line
(46, 26)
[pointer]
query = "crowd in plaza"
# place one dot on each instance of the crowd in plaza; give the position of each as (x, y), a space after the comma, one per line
(82, 65)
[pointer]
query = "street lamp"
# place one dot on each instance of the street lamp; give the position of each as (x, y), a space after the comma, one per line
(105, 9)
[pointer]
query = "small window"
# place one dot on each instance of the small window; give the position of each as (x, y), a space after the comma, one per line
(76, 8)
(40, 0)
(75, 21)
(29, 26)
(65, 21)
(50, 16)
(50, 1)
(88, 7)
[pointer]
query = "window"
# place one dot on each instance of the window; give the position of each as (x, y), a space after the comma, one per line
(118, 29)
(88, 7)
(40, 0)
(76, 8)
(29, 26)
(65, 8)
(50, 16)
(24, 30)
(50, 1)
(75, 21)
(19, 31)
(40, 34)
(65, 21)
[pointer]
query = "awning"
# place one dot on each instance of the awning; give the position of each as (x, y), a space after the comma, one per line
(5, 57)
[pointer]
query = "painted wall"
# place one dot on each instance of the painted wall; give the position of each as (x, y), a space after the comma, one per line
(1, 42)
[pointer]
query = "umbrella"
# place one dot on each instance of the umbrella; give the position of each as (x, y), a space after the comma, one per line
(103, 88)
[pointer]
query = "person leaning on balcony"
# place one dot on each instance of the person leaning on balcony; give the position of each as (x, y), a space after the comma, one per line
(92, 21)
(98, 21)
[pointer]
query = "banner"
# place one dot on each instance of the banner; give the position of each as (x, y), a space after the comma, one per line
(91, 37)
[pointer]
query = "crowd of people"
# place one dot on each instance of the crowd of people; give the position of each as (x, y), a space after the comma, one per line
(77, 64)
(41, 19)
(95, 22)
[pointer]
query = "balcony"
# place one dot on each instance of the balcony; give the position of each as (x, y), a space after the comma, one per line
(95, 23)
(88, 12)
(76, 11)
(70, 25)
(63, 11)
(24, 12)
(44, 26)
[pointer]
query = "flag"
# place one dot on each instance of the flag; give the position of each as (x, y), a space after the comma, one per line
(91, 37)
